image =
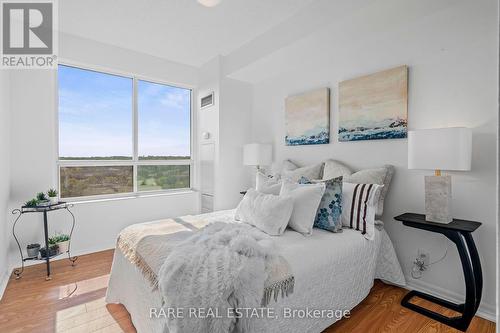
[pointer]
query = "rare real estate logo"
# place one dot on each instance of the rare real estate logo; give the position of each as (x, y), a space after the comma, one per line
(29, 34)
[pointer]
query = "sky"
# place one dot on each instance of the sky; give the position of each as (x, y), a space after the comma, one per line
(95, 116)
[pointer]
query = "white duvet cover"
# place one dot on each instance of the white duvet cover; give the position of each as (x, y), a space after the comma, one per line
(333, 271)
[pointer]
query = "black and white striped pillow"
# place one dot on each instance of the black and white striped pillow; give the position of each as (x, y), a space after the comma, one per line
(359, 205)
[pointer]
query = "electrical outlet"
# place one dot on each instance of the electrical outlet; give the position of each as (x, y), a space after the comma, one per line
(424, 256)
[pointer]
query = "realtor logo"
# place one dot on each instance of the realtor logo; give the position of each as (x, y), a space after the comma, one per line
(28, 34)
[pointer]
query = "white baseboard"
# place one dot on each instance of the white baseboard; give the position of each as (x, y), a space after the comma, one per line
(486, 311)
(4, 279)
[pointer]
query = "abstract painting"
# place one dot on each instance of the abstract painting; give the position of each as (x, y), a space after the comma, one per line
(307, 118)
(375, 106)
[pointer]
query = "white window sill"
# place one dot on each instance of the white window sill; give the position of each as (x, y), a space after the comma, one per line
(79, 201)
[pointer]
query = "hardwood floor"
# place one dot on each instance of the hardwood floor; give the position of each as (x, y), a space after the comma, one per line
(32, 304)
(73, 301)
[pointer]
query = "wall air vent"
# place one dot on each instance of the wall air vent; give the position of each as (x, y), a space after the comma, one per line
(207, 101)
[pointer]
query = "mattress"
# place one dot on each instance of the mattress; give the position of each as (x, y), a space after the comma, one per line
(333, 273)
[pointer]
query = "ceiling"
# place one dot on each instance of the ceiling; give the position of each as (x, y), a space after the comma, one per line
(182, 31)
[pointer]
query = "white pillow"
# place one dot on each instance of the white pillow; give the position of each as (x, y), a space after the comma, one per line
(288, 166)
(306, 199)
(267, 185)
(335, 169)
(359, 205)
(310, 172)
(381, 176)
(270, 213)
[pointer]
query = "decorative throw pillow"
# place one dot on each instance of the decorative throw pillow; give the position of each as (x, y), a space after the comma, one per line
(288, 166)
(328, 216)
(267, 212)
(267, 185)
(309, 172)
(278, 170)
(359, 204)
(305, 198)
(335, 169)
(380, 176)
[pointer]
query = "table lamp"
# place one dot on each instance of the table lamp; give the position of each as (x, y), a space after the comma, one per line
(257, 154)
(439, 149)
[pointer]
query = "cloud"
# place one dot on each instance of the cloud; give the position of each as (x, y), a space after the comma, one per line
(175, 100)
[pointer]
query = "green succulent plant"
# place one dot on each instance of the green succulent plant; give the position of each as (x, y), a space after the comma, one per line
(41, 196)
(31, 203)
(52, 193)
(63, 238)
(58, 238)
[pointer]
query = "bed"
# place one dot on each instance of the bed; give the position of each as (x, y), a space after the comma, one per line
(333, 271)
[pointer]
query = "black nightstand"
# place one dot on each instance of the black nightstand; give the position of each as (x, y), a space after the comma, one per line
(460, 233)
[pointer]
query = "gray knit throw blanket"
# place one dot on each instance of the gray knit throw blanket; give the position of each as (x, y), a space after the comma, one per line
(220, 268)
(150, 245)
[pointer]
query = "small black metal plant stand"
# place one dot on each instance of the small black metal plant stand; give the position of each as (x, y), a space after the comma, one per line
(43, 209)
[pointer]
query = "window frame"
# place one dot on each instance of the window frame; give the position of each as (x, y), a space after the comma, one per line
(135, 162)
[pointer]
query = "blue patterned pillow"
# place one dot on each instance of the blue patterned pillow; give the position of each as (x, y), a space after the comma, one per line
(329, 212)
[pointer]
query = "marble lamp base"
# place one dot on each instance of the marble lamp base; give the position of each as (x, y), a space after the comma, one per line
(438, 199)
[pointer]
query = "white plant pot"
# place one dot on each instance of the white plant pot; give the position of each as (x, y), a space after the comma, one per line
(63, 246)
(53, 200)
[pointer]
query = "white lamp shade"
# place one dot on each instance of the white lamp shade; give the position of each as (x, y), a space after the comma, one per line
(440, 149)
(257, 154)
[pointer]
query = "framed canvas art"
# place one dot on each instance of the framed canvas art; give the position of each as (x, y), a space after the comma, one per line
(374, 106)
(307, 118)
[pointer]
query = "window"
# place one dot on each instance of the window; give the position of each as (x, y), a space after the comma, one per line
(164, 121)
(121, 135)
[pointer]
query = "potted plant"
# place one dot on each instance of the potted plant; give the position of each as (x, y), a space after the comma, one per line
(52, 193)
(52, 251)
(31, 203)
(32, 250)
(62, 241)
(42, 199)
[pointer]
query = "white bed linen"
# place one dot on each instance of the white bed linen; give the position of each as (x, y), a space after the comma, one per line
(332, 271)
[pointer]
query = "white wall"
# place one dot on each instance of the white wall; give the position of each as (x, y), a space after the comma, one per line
(85, 51)
(228, 123)
(451, 50)
(235, 131)
(34, 152)
(5, 172)
(498, 201)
